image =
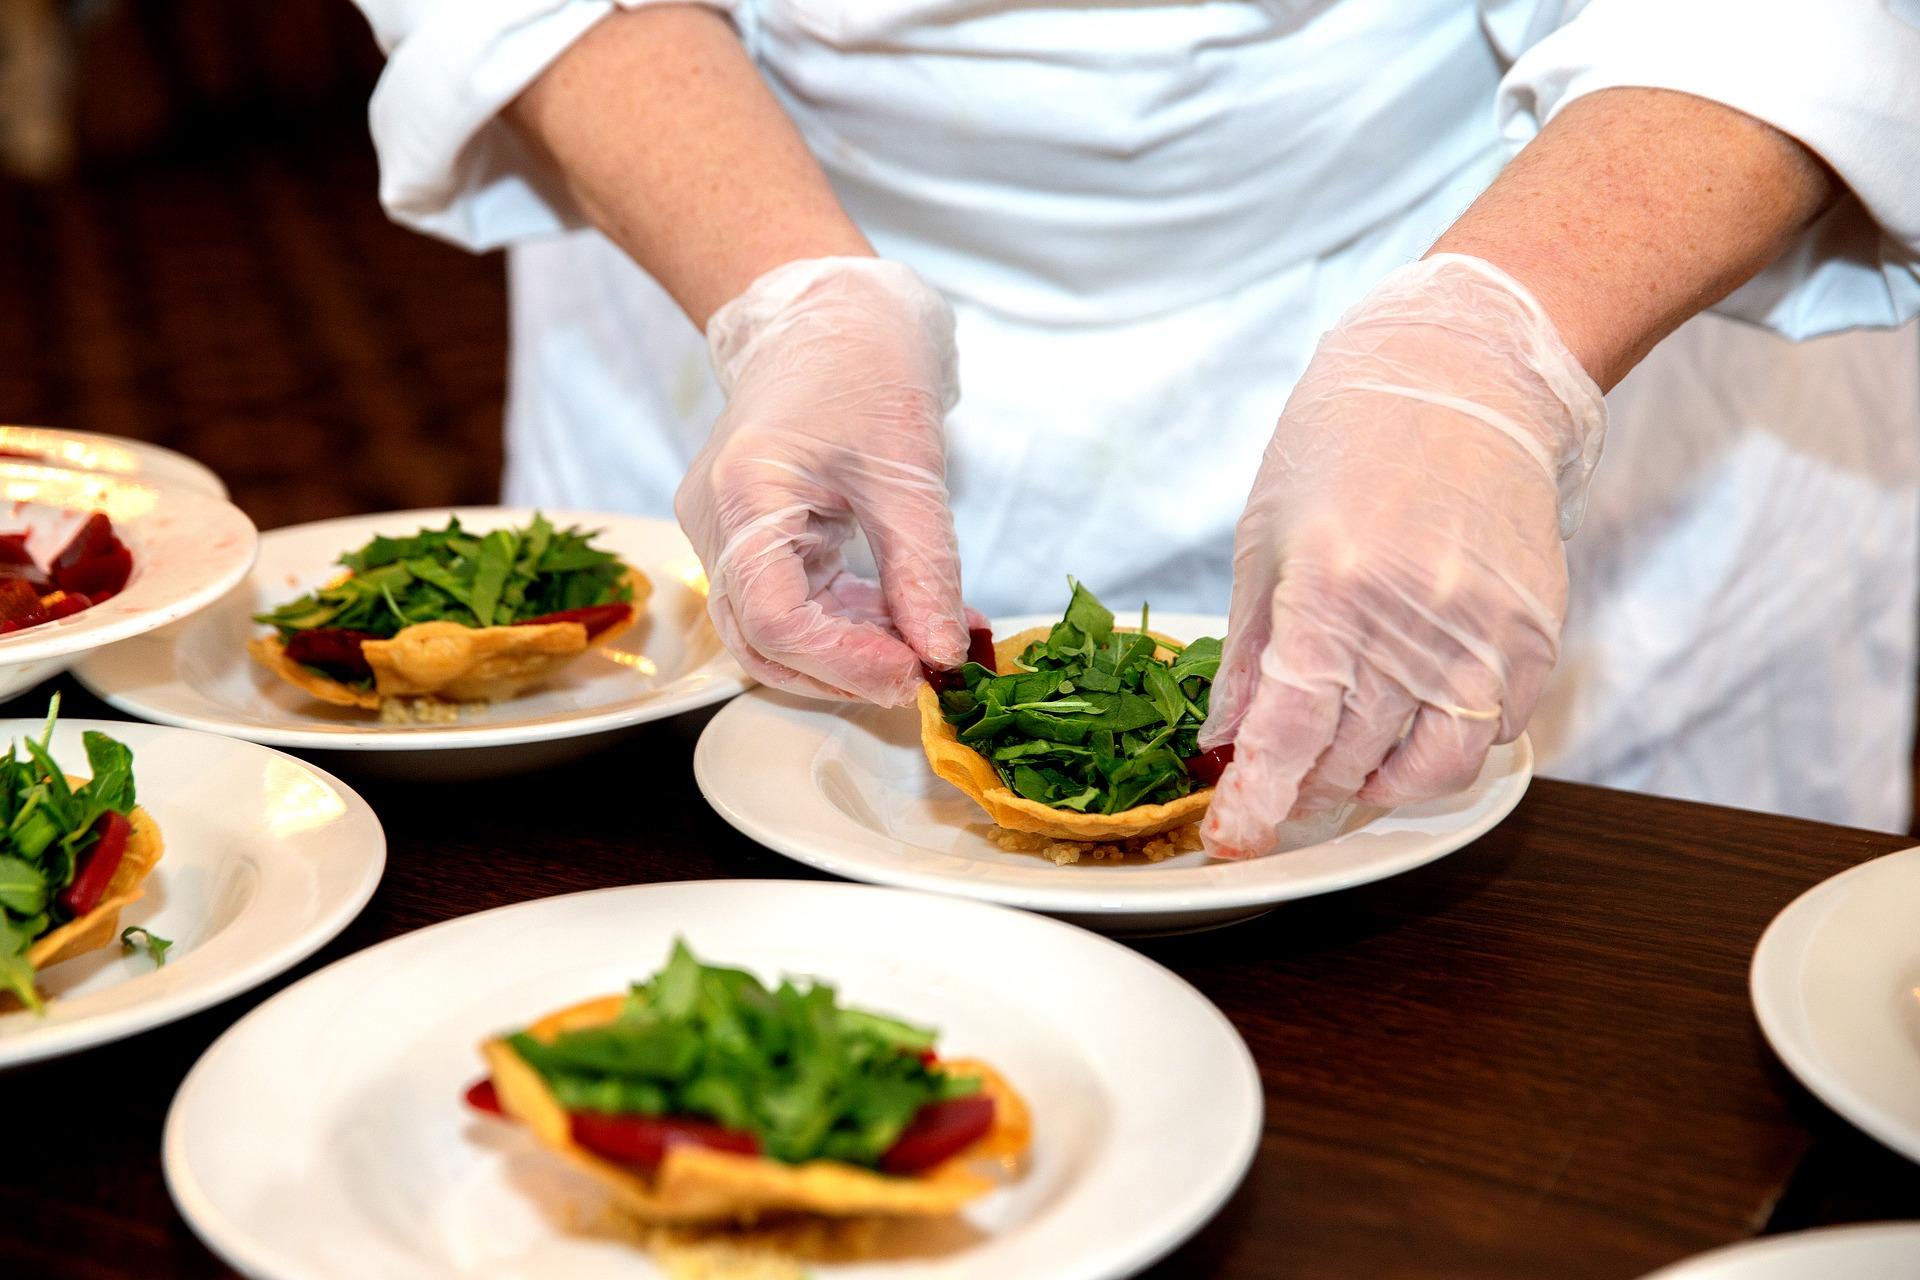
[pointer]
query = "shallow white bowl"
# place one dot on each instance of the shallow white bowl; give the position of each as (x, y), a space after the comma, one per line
(189, 548)
(266, 859)
(848, 789)
(199, 675)
(324, 1134)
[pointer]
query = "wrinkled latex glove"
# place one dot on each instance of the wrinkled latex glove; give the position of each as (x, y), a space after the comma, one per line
(1398, 577)
(838, 374)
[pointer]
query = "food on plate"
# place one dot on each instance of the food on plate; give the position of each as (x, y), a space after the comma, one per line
(91, 568)
(73, 854)
(1080, 739)
(419, 624)
(702, 1097)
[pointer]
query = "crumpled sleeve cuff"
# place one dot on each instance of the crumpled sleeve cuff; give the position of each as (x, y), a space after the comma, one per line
(449, 166)
(1837, 76)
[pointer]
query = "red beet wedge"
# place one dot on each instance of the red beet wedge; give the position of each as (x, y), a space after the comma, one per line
(941, 1131)
(97, 866)
(94, 562)
(594, 617)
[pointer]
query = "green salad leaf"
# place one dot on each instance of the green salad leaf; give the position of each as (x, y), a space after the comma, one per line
(1090, 719)
(451, 575)
(156, 945)
(46, 826)
(810, 1078)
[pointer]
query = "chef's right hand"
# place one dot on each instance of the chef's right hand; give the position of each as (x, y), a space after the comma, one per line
(838, 374)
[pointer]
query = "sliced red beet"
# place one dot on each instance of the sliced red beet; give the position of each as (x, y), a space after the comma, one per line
(941, 1131)
(94, 562)
(979, 649)
(64, 604)
(335, 650)
(13, 550)
(97, 865)
(19, 605)
(645, 1140)
(482, 1096)
(594, 617)
(1207, 767)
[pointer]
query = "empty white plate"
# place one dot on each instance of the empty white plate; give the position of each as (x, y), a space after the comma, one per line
(324, 1134)
(90, 451)
(1836, 986)
(848, 789)
(266, 859)
(199, 675)
(1879, 1251)
(189, 548)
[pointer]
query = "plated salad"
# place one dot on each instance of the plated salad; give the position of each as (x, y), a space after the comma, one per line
(446, 616)
(92, 568)
(1081, 732)
(703, 1096)
(73, 854)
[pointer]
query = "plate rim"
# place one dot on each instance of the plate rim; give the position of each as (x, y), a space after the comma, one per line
(1095, 901)
(99, 672)
(178, 463)
(1689, 1267)
(1769, 975)
(16, 1051)
(197, 1207)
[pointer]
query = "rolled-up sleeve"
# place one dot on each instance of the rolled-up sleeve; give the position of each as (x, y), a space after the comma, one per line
(449, 165)
(1841, 76)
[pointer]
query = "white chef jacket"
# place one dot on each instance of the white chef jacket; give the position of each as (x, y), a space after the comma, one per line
(1146, 213)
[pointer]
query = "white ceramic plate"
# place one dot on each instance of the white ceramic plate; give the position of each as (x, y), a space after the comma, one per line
(199, 675)
(87, 451)
(324, 1136)
(1835, 981)
(848, 789)
(1879, 1251)
(189, 548)
(266, 859)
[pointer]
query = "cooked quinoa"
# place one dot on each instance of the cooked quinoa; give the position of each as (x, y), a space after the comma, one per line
(1066, 852)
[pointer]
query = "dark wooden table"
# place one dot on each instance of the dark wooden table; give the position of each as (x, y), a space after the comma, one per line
(1532, 1058)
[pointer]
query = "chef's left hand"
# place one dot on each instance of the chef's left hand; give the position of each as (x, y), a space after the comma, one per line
(1398, 579)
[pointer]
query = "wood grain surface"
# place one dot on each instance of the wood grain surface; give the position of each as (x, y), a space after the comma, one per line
(1532, 1058)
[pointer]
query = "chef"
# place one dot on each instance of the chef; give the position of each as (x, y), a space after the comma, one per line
(1031, 283)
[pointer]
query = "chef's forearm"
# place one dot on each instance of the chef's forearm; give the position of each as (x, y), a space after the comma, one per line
(673, 146)
(1636, 208)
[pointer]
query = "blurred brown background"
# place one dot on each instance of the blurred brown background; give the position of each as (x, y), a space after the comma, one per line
(194, 255)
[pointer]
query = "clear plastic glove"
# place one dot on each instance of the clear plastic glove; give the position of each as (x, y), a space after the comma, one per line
(838, 373)
(1398, 577)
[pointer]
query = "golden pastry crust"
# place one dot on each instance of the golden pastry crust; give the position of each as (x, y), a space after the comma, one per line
(101, 926)
(974, 774)
(698, 1184)
(449, 661)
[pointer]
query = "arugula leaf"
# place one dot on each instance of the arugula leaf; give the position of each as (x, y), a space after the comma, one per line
(1091, 720)
(156, 945)
(808, 1077)
(450, 575)
(23, 887)
(16, 975)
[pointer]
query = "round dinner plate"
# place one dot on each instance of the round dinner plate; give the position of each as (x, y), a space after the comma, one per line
(1836, 987)
(89, 451)
(189, 548)
(848, 789)
(1878, 1251)
(266, 858)
(324, 1134)
(199, 675)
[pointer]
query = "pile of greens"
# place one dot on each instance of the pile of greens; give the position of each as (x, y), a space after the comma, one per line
(495, 579)
(1091, 721)
(46, 827)
(807, 1077)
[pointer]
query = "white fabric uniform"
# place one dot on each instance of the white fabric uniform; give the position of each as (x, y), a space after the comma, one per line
(1146, 213)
